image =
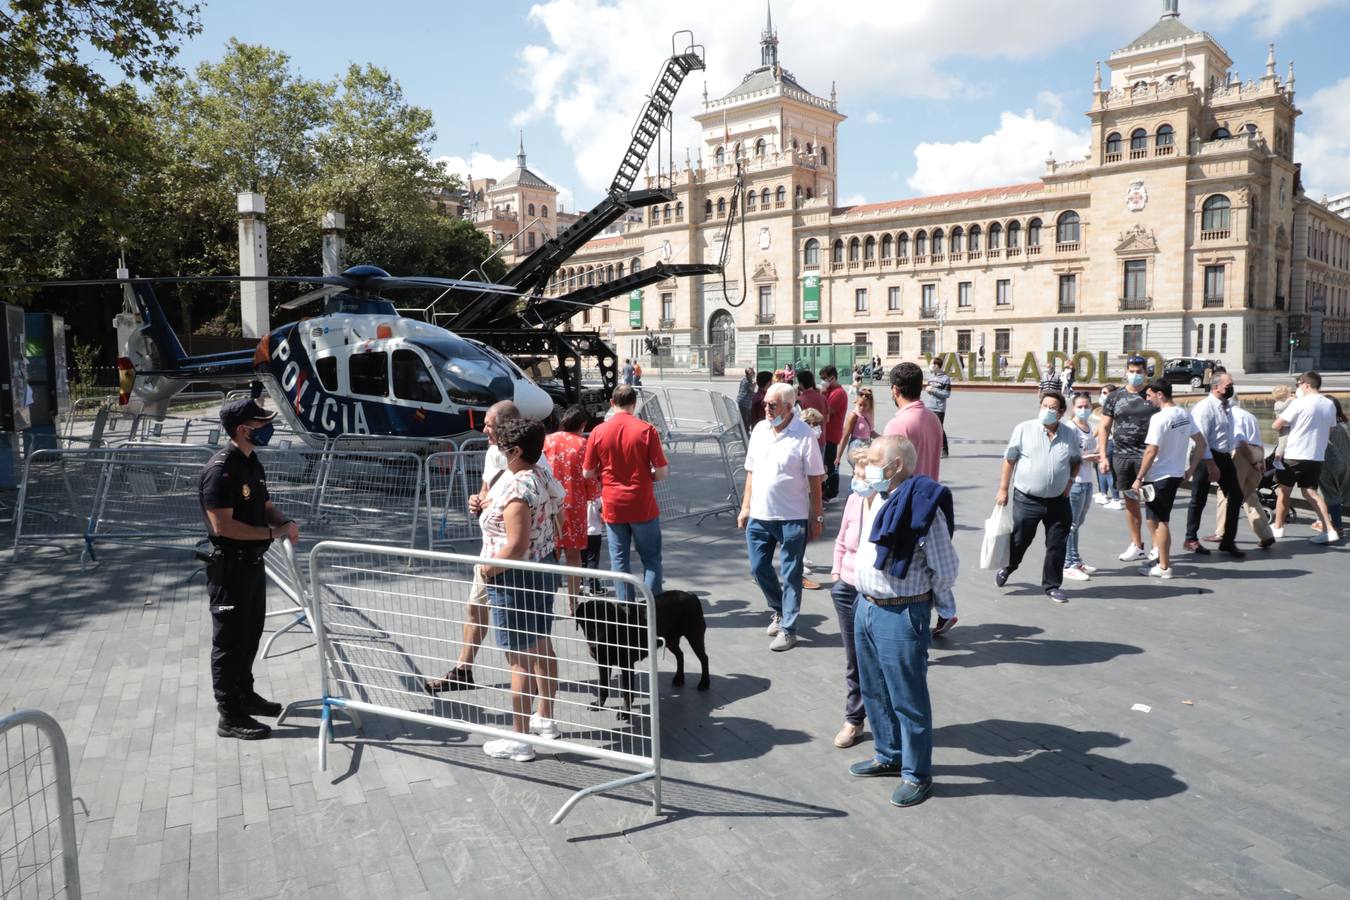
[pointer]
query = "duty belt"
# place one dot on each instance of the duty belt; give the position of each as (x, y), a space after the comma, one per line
(899, 601)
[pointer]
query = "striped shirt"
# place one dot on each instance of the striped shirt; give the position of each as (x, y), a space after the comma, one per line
(933, 568)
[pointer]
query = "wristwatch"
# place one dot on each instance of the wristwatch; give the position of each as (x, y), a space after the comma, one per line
(820, 519)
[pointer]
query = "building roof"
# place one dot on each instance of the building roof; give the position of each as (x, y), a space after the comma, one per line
(1166, 30)
(763, 79)
(522, 177)
(994, 193)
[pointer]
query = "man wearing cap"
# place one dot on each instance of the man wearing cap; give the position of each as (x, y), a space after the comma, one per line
(243, 522)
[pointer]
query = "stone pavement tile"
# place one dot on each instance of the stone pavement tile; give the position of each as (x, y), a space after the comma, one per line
(172, 882)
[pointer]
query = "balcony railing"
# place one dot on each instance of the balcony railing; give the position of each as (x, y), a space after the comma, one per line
(1034, 250)
(853, 264)
(667, 324)
(1219, 234)
(927, 312)
(764, 318)
(1066, 247)
(836, 267)
(937, 258)
(1113, 157)
(920, 259)
(1136, 303)
(1067, 306)
(1014, 251)
(994, 254)
(957, 256)
(1138, 154)
(1165, 150)
(1213, 303)
(887, 262)
(976, 254)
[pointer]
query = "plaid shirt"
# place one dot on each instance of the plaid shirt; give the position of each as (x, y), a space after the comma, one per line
(933, 567)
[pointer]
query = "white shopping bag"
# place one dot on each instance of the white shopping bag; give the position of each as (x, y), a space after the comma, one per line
(996, 549)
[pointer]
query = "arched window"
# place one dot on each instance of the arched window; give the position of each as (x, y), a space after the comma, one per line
(1138, 139)
(973, 241)
(635, 265)
(995, 235)
(808, 194)
(870, 248)
(854, 250)
(759, 148)
(764, 198)
(824, 156)
(921, 243)
(1165, 136)
(656, 214)
(590, 277)
(1066, 228)
(665, 213)
(1214, 213)
(1220, 134)
(1014, 234)
(780, 195)
(1250, 128)
(721, 207)
(794, 144)
(720, 156)
(797, 195)
(902, 246)
(937, 242)
(811, 252)
(738, 151)
(837, 252)
(609, 272)
(809, 148)
(958, 239)
(619, 270)
(887, 246)
(1034, 233)
(531, 210)
(543, 212)
(1113, 143)
(708, 208)
(679, 210)
(750, 199)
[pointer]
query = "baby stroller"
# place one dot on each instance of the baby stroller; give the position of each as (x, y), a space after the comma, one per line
(1267, 493)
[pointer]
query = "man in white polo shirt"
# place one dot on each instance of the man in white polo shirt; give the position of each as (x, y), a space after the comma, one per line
(1166, 463)
(781, 505)
(1309, 419)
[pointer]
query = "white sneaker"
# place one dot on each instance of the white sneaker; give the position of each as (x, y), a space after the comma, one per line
(1115, 504)
(784, 641)
(1091, 570)
(1278, 532)
(1326, 537)
(1132, 552)
(545, 728)
(775, 626)
(1158, 571)
(1152, 552)
(1074, 573)
(516, 751)
(1099, 499)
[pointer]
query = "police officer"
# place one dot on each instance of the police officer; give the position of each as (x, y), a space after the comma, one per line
(243, 522)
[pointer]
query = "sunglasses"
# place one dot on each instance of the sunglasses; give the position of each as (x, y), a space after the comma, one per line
(1136, 361)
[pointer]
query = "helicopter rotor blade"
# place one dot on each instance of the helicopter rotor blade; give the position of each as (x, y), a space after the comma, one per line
(310, 297)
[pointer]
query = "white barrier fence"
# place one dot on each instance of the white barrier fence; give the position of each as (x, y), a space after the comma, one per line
(39, 857)
(392, 625)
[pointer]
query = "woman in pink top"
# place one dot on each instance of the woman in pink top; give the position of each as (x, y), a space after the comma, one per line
(858, 429)
(845, 596)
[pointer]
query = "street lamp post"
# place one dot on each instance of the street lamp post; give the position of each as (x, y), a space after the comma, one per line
(941, 318)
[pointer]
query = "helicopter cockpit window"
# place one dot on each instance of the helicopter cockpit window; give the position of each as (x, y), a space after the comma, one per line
(471, 374)
(412, 379)
(368, 373)
(326, 366)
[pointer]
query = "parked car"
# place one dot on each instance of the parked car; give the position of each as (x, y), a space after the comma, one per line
(1189, 370)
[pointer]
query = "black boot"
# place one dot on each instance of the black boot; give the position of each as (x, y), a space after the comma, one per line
(238, 725)
(257, 705)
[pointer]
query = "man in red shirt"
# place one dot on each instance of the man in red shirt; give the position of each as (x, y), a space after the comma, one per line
(625, 454)
(810, 398)
(913, 421)
(836, 397)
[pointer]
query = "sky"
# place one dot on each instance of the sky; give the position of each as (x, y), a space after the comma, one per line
(939, 96)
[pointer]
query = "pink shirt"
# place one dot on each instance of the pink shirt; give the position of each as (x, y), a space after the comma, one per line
(922, 428)
(846, 544)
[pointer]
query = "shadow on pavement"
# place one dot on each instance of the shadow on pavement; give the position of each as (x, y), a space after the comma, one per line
(992, 644)
(1038, 759)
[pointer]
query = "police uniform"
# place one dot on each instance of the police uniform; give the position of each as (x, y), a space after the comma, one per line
(235, 576)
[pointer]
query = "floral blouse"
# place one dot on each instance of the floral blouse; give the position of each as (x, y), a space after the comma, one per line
(541, 492)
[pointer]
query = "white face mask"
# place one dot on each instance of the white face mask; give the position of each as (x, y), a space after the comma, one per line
(876, 477)
(1049, 416)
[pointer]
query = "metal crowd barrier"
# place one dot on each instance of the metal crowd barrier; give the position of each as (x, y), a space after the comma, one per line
(389, 620)
(451, 478)
(39, 857)
(283, 570)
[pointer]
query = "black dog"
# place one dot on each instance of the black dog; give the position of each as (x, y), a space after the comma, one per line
(616, 635)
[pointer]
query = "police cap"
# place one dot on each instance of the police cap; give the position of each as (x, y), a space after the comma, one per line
(236, 412)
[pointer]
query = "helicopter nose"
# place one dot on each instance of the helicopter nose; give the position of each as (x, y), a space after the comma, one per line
(533, 401)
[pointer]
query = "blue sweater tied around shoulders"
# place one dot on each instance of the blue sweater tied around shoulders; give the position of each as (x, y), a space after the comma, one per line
(905, 518)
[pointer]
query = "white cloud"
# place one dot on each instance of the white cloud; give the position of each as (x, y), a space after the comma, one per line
(1015, 152)
(1321, 141)
(853, 200)
(875, 118)
(1052, 103)
(484, 165)
(1270, 18)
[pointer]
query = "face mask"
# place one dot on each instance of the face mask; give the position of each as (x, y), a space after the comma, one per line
(861, 487)
(777, 421)
(1049, 416)
(1228, 393)
(1134, 379)
(259, 436)
(816, 429)
(1083, 413)
(876, 477)
(1299, 392)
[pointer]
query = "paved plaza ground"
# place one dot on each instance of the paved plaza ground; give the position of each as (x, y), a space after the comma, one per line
(1048, 783)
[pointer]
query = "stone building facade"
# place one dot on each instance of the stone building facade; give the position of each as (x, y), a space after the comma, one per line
(1184, 231)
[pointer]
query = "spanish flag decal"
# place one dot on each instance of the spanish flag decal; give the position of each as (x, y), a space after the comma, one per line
(420, 415)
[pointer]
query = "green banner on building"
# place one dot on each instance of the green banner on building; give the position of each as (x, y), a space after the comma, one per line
(635, 309)
(811, 298)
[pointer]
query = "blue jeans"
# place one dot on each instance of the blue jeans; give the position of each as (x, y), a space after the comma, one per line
(647, 537)
(1080, 501)
(892, 644)
(1335, 511)
(762, 536)
(845, 597)
(1106, 482)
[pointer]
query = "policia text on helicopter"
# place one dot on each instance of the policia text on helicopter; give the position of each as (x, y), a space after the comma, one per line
(243, 523)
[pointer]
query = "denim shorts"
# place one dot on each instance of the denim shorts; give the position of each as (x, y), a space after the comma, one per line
(522, 606)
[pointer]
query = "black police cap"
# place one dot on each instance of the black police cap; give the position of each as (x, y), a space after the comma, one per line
(237, 412)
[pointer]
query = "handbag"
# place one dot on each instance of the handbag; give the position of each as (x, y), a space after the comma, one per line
(996, 548)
